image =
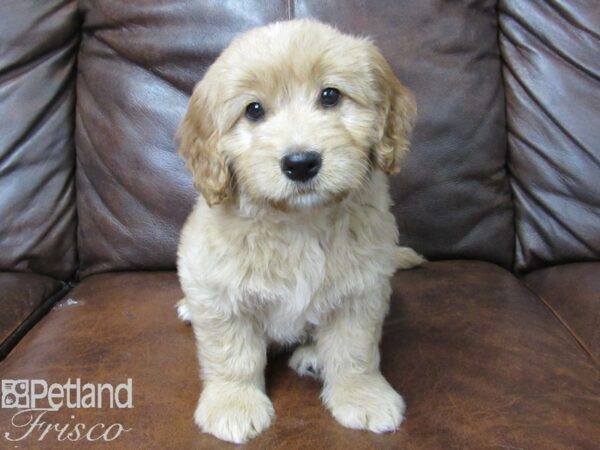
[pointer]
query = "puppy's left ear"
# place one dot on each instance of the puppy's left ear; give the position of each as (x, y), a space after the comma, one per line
(398, 112)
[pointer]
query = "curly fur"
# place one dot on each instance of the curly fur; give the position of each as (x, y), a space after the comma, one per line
(263, 258)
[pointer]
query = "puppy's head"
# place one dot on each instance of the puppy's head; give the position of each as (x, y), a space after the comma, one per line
(295, 115)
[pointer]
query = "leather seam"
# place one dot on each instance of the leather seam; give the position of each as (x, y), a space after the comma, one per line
(507, 167)
(13, 339)
(570, 330)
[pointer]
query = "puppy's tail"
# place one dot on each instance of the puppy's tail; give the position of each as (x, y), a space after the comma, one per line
(407, 258)
(182, 310)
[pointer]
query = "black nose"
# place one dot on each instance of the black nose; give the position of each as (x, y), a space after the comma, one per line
(301, 166)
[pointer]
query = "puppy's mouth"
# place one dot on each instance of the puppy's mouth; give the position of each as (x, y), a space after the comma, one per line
(308, 196)
(308, 187)
(308, 199)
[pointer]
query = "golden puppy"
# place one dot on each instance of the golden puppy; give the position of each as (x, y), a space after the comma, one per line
(290, 137)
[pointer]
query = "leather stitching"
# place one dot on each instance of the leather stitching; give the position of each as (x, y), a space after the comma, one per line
(570, 330)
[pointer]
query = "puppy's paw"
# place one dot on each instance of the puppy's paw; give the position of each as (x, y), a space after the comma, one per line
(365, 402)
(305, 362)
(233, 412)
(182, 311)
(407, 258)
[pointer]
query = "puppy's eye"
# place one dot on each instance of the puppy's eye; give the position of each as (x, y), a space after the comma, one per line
(254, 111)
(330, 97)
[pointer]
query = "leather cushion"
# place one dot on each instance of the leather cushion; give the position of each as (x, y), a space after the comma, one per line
(552, 74)
(479, 360)
(452, 199)
(38, 49)
(137, 67)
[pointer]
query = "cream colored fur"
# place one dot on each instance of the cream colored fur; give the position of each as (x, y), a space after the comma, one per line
(263, 258)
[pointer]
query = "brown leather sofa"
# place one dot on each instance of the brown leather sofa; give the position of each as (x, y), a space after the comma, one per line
(494, 344)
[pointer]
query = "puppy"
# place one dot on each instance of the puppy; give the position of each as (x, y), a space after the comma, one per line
(290, 137)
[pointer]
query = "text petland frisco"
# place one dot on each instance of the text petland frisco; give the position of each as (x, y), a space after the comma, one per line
(36, 400)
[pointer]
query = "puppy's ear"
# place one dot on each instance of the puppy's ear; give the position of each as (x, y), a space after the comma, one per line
(398, 112)
(199, 142)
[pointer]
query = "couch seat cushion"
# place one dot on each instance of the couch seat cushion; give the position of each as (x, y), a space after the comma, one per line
(481, 363)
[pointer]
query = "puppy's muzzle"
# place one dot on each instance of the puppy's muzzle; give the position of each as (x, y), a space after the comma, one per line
(301, 166)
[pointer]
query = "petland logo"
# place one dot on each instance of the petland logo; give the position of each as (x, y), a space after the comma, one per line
(36, 400)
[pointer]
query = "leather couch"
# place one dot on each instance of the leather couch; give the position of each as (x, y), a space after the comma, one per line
(495, 343)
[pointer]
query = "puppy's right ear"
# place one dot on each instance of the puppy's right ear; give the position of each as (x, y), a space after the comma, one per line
(199, 142)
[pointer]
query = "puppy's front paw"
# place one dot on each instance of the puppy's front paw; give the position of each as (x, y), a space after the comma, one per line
(305, 361)
(365, 402)
(233, 412)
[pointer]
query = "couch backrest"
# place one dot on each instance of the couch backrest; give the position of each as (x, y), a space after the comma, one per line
(551, 52)
(38, 49)
(138, 65)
